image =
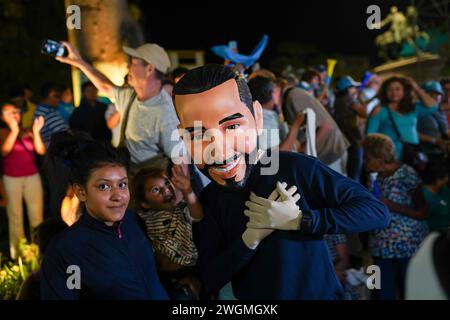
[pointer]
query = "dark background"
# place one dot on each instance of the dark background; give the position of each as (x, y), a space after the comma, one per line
(331, 27)
(301, 33)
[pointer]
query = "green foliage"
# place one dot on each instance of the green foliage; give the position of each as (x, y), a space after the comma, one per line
(12, 274)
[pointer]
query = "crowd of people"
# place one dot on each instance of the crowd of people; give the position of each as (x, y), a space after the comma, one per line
(363, 179)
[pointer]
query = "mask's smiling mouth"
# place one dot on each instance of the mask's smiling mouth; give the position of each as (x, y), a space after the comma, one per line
(231, 163)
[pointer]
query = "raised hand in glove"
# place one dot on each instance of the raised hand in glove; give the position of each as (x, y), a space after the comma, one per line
(281, 214)
(252, 236)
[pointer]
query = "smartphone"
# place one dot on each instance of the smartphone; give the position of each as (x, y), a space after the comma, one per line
(54, 49)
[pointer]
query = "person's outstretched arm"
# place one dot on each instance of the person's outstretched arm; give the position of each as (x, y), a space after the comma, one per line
(100, 81)
(336, 205)
(340, 205)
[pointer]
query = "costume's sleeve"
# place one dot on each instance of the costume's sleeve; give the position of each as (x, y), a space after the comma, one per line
(54, 278)
(219, 259)
(340, 205)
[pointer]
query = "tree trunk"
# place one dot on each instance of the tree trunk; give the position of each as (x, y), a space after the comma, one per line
(106, 25)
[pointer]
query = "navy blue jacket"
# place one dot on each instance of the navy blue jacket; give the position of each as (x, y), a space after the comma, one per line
(115, 262)
(287, 264)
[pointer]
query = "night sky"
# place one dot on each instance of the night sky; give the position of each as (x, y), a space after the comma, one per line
(333, 26)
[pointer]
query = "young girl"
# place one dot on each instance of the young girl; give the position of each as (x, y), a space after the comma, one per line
(400, 190)
(105, 254)
(20, 173)
(168, 209)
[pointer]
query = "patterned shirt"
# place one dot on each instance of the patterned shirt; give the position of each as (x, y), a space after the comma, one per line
(53, 122)
(333, 240)
(404, 234)
(171, 233)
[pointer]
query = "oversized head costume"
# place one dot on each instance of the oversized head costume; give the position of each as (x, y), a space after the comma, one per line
(219, 123)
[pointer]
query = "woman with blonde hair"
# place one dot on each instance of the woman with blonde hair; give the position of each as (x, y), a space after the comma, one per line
(400, 190)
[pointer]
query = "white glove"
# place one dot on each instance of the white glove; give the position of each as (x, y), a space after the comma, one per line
(251, 236)
(283, 214)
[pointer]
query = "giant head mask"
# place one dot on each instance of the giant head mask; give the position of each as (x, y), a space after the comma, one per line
(219, 123)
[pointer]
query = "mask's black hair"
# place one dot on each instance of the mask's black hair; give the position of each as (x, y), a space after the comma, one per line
(204, 78)
(73, 156)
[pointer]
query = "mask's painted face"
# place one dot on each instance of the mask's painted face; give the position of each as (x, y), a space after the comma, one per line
(220, 133)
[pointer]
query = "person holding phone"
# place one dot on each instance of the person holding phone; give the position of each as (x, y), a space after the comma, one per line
(147, 115)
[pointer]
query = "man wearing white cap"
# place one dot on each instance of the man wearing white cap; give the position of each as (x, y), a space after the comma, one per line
(148, 117)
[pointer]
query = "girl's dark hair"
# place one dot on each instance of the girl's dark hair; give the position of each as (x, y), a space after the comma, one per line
(204, 78)
(407, 103)
(73, 156)
(138, 189)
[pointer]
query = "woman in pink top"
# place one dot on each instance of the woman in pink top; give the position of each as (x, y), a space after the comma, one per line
(20, 173)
